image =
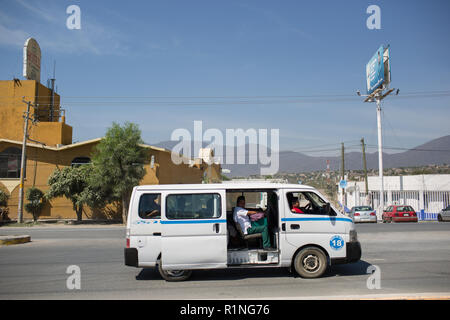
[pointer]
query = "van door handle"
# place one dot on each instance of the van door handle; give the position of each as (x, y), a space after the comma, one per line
(156, 233)
(216, 227)
(283, 226)
(295, 226)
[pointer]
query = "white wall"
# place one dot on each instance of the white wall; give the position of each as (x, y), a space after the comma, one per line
(430, 193)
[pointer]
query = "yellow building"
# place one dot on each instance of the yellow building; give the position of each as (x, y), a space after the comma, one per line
(50, 147)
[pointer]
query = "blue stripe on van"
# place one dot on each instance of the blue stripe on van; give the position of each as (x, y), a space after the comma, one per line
(192, 221)
(317, 219)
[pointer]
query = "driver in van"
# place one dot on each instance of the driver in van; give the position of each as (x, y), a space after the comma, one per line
(296, 206)
(241, 216)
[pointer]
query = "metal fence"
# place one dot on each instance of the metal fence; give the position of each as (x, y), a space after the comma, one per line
(433, 201)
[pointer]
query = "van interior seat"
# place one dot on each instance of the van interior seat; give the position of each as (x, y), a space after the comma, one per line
(239, 230)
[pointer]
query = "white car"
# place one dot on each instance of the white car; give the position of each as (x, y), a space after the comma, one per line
(444, 215)
(363, 214)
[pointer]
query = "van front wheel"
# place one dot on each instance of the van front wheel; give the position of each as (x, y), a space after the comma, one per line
(173, 275)
(310, 262)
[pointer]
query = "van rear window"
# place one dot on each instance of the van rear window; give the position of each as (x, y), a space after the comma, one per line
(150, 206)
(193, 206)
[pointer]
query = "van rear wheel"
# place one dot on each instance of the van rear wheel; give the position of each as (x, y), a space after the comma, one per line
(173, 275)
(310, 262)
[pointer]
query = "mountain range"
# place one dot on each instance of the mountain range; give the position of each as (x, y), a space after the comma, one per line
(435, 152)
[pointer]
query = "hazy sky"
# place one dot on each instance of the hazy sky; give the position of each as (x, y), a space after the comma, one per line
(289, 65)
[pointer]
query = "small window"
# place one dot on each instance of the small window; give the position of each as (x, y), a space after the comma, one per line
(10, 160)
(150, 206)
(193, 206)
(78, 161)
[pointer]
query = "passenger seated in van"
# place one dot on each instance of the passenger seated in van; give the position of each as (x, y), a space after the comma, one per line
(151, 208)
(241, 216)
(296, 206)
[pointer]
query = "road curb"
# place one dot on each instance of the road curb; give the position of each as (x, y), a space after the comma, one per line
(9, 240)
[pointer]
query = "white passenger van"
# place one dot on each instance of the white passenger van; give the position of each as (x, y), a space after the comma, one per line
(180, 228)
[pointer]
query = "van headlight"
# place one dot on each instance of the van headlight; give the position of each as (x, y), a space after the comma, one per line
(353, 236)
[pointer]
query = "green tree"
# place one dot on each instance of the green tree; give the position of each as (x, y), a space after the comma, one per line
(4, 197)
(118, 163)
(36, 202)
(72, 183)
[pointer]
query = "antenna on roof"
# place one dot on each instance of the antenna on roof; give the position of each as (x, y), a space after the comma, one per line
(52, 98)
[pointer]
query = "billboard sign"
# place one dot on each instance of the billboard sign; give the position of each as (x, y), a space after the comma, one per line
(32, 60)
(375, 71)
(387, 66)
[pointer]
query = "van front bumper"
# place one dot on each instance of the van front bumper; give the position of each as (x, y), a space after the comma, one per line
(131, 257)
(353, 254)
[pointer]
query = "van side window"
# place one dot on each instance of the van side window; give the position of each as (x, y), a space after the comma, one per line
(308, 203)
(150, 206)
(193, 206)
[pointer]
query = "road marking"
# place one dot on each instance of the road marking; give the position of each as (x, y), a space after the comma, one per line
(398, 296)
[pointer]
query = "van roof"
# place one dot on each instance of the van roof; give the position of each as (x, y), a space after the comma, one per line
(224, 185)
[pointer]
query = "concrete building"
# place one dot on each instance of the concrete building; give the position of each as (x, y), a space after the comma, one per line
(50, 147)
(427, 194)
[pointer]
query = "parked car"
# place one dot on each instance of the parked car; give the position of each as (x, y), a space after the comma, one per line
(444, 215)
(363, 214)
(399, 213)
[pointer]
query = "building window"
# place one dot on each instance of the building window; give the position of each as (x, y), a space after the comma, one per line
(10, 163)
(78, 161)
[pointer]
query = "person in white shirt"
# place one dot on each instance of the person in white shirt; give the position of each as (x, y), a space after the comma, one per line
(241, 216)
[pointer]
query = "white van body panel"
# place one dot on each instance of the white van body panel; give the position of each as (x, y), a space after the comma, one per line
(311, 229)
(145, 234)
(194, 243)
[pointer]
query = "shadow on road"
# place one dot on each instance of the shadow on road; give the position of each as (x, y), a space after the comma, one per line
(353, 269)
(148, 274)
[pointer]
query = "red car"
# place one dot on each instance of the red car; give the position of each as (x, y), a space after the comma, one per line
(399, 213)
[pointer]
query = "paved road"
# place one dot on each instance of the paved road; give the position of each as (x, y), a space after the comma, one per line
(414, 260)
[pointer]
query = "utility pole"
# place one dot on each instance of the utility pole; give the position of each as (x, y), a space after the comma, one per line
(23, 162)
(343, 175)
(365, 171)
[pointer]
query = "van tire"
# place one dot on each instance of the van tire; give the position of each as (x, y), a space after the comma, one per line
(172, 276)
(310, 262)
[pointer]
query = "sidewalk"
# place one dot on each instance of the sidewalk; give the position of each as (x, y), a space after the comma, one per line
(15, 239)
(59, 223)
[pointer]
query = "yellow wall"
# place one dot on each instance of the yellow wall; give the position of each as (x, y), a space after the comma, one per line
(12, 108)
(41, 162)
